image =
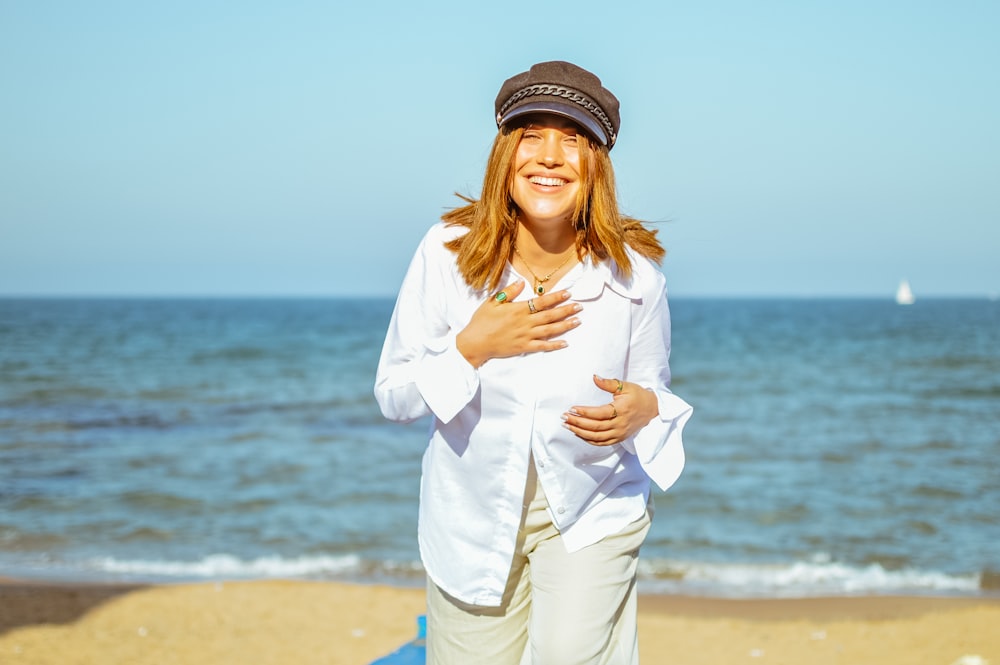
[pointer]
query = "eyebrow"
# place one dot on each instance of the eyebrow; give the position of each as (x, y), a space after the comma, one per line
(560, 124)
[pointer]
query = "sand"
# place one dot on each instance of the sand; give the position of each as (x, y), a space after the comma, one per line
(300, 623)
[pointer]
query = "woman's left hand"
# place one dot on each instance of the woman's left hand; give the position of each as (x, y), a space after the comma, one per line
(631, 408)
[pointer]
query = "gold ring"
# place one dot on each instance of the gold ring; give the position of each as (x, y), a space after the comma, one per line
(531, 306)
(620, 386)
(614, 410)
(500, 297)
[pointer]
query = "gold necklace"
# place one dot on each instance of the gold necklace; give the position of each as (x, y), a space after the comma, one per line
(540, 281)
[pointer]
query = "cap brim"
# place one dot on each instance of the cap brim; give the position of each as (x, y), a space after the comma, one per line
(570, 111)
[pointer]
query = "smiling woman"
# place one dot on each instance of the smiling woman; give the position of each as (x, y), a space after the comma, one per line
(535, 496)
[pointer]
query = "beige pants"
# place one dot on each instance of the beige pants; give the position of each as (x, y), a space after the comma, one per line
(558, 609)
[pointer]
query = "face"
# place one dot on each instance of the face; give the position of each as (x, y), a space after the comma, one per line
(547, 176)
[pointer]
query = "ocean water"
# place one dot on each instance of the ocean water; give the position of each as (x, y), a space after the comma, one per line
(838, 446)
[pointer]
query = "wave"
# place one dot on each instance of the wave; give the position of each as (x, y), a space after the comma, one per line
(818, 577)
(229, 566)
(350, 567)
(733, 580)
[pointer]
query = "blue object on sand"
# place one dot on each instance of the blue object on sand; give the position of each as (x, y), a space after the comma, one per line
(411, 653)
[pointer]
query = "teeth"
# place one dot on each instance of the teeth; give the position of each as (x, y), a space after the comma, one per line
(548, 182)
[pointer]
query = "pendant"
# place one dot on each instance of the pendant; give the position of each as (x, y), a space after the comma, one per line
(539, 289)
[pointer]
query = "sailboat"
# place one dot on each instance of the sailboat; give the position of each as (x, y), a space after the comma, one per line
(904, 295)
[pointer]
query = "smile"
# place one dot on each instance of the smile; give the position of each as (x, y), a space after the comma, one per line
(547, 182)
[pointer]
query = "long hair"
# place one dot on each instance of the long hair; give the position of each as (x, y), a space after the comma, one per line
(601, 230)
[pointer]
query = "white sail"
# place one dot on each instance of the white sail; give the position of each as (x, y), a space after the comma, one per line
(904, 295)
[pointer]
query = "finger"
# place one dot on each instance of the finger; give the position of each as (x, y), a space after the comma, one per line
(509, 292)
(540, 304)
(596, 438)
(594, 419)
(548, 331)
(613, 386)
(550, 300)
(601, 412)
(545, 345)
(547, 316)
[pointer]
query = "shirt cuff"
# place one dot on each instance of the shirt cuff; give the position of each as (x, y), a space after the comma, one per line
(446, 380)
(658, 445)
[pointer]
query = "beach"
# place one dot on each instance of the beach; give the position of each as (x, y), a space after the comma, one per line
(302, 622)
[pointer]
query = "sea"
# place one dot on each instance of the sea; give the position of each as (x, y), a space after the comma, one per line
(838, 446)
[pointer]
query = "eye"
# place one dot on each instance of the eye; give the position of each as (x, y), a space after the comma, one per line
(531, 135)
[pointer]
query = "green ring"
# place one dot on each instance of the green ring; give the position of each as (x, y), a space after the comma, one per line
(500, 297)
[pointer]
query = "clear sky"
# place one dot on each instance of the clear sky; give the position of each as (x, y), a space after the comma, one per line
(303, 148)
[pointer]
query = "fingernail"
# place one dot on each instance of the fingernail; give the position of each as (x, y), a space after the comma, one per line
(565, 295)
(577, 307)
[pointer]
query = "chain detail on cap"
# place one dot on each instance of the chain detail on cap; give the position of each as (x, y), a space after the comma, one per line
(566, 93)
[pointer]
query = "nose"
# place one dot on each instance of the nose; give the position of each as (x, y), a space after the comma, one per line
(550, 152)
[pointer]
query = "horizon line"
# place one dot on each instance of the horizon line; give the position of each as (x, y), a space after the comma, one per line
(990, 296)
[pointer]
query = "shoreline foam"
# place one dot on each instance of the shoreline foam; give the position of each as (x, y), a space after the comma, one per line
(817, 577)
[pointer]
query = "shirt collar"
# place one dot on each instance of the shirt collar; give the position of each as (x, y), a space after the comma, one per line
(593, 277)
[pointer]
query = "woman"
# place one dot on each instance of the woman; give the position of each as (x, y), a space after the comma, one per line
(533, 326)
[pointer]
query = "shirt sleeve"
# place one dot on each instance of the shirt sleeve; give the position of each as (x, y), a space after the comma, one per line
(421, 370)
(659, 444)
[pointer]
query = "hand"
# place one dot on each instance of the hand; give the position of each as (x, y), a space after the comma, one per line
(631, 409)
(504, 329)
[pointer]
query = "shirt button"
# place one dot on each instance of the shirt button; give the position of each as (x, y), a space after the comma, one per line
(561, 510)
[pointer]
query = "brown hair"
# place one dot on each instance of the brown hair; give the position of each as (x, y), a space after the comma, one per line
(601, 230)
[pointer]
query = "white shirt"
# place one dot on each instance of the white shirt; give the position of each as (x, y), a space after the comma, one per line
(489, 422)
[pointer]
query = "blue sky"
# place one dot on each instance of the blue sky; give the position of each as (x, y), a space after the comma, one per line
(303, 148)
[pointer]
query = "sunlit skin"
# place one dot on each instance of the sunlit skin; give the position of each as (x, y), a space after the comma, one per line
(547, 181)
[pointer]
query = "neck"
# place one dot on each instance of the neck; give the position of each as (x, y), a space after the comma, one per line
(537, 252)
(542, 244)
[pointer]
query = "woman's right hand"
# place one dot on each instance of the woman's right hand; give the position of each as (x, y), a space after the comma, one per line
(503, 329)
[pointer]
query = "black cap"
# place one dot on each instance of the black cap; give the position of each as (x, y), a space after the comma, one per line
(564, 89)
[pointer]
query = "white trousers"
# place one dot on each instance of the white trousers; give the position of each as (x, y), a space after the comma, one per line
(558, 609)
